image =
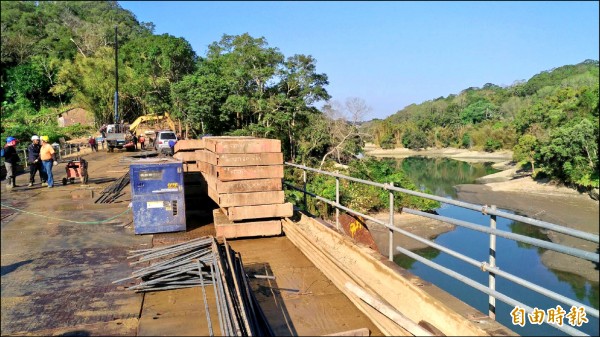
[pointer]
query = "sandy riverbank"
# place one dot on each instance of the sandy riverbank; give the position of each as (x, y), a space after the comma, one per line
(420, 226)
(548, 202)
(452, 153)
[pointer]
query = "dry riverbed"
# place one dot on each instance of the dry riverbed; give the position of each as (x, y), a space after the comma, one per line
(510, 189)
(452, 153)
(544, 201)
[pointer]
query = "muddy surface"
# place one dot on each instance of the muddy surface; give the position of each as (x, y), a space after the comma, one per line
(60, 256)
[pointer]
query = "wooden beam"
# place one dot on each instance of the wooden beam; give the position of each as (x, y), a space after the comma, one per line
(260, 211)
(239, 159)
(242, 186)
(387, 310)
(241, 145)
(338, 277)
(355, 332)
(189, 145)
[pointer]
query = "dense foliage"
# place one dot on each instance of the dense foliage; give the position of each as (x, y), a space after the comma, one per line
(361, 197)
(60, 55)
(245, 87)
(57, 55)
(549, 121)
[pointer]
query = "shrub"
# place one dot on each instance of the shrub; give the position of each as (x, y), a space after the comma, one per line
(492, 145)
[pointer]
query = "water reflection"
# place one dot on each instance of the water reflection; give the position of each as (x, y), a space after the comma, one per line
(440, 175)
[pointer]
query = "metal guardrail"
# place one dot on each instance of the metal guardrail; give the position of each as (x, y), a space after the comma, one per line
(485, 266)
(61, 152)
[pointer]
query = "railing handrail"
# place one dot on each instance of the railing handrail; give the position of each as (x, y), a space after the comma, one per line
(484, 266)
(481, 208)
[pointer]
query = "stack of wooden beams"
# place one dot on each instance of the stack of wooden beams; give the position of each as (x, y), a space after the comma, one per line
(185, 150)
(195, 185)
(244, 177)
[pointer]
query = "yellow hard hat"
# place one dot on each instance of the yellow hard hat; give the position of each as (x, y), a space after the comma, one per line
(44, 138)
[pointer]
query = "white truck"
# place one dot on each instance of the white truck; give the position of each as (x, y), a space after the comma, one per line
(118, 137)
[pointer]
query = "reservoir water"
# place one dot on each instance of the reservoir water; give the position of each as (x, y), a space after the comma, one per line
(440, 175)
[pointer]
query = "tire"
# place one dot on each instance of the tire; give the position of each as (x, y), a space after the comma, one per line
(64, 181)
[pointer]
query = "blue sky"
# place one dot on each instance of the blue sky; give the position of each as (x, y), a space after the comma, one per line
(393, 54)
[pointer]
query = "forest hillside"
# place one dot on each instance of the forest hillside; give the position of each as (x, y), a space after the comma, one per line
(550, 122)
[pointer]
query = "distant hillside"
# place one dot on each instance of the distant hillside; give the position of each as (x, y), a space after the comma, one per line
(555, 110)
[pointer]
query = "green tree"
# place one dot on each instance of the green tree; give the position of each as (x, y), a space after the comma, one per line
(478, 111)
(572, 153)
(91, 81)
(245, 87)
(415, 139)
(526, 150)
(27, 81)
(157, 61)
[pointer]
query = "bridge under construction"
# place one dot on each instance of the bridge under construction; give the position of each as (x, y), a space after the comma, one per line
(73, 266)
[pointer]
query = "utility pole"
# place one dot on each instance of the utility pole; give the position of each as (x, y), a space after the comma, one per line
(117, 121)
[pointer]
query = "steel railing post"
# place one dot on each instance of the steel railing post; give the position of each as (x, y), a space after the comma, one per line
(304, 177)
(391, 246)
(492, 276)
(337, 201)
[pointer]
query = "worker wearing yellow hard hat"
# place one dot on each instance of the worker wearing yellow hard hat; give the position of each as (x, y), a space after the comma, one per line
(48, 157)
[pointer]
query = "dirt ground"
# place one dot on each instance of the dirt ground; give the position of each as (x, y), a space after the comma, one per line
(458, 154)
(61, 252)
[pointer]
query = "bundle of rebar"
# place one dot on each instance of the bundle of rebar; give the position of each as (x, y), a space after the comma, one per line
(113, 191)
(198, 263)
(238, 303)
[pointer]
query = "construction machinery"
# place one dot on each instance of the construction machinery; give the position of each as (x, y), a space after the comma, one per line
(120, 135)
(148, 124)
(76, 169)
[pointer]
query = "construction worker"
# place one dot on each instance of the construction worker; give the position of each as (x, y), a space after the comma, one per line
(142, 140)
(34, 161)
(48, 157)
(93, 144)
(11, 159)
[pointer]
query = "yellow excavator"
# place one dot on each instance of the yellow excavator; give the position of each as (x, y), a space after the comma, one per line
(148, 124)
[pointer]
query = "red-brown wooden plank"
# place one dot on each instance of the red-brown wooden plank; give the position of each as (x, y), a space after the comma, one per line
(259, 211)
(189, 145)
(242, 186)
(248, 199)
(242, 145)
(239, 159)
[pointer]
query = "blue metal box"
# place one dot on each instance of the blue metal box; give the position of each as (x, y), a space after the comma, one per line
(157, 196)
